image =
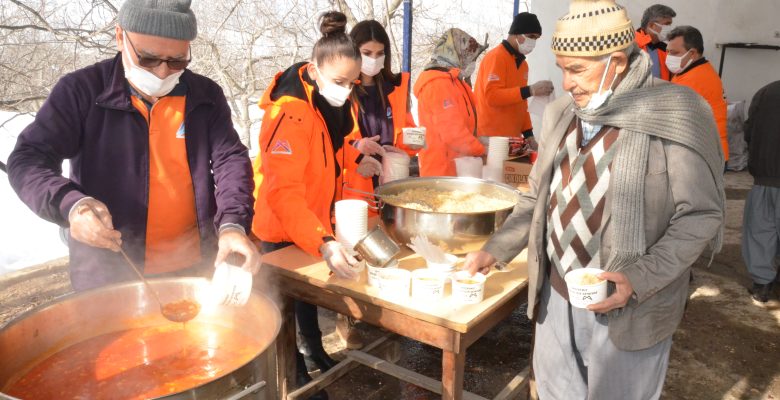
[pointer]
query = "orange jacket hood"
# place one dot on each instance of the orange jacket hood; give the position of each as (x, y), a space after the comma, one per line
(431, 75)
(293, 82)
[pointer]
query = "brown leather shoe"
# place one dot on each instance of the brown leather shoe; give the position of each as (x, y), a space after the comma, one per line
(350, 337)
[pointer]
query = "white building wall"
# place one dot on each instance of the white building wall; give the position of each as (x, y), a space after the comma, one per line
(720, 21)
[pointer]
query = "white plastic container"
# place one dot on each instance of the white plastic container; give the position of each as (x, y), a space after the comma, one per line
(469, 167)
(414, 136)
(373, 273)
(582, 295)
(231, 285)
(468, 289)
(394, 282)
(427, 284)
(394, 166)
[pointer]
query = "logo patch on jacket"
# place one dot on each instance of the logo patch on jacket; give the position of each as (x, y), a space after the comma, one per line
(493, 77)
(447, 104)
(281, 146)
(180, 132)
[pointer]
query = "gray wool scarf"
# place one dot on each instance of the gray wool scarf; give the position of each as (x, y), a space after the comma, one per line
(640, 110)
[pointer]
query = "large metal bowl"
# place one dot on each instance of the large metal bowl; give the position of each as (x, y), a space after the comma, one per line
(35, 335)
(457, 233)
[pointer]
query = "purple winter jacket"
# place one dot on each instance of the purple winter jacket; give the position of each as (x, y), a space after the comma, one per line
(89, 119)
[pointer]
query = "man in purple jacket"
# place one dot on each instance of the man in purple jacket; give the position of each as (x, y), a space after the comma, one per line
(156, 166)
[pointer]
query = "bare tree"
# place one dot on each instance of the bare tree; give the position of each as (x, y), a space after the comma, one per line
(241, 44)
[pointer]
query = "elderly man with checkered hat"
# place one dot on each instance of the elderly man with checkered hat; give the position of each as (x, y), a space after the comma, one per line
(628, 181)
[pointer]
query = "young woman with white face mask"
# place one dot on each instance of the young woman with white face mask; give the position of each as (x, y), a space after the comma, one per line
(382, 102)
(308, 116)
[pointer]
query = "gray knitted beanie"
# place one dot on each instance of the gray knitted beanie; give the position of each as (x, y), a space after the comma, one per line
(166, 18)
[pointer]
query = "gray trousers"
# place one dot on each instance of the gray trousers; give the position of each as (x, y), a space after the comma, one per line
(575, 359)
(761, 233)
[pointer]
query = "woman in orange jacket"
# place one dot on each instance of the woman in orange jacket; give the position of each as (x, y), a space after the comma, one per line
(307, 118)
(382, 102)
(446, 105)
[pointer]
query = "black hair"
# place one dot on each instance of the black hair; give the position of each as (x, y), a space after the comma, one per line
(655, 12)
(334, 43)
(691, 37)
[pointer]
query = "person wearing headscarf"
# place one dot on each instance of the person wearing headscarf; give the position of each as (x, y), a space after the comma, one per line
(446, 106)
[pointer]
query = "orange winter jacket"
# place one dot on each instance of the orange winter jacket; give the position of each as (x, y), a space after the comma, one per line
(643, 40)
(702, 78)
(399, 104)
(295, 173)
(501, 108)
(447, 109)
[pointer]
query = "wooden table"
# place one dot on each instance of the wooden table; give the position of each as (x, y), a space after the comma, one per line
(444, 325)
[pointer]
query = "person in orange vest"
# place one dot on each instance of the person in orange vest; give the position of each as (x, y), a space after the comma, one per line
(689, 68)
(307, 117)
(501, 89)
(382, 102)
(446, 105)
(652, 35)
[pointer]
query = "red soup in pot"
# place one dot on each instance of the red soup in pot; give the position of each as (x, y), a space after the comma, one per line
(137, 363)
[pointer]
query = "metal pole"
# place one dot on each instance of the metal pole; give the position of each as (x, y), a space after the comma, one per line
(722, 58)
(407, 58)
(517, 8)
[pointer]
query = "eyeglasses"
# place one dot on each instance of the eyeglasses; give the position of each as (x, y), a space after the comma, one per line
(153, 62)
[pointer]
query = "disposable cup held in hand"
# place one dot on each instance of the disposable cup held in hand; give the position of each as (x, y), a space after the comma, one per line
(467, 289)
(469, 167)
(414, 136)
(394, 166)
(585, 288)
(427, 284)
(231, 285)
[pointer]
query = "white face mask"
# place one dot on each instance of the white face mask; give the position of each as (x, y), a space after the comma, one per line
(371, 66)
(335, 95)
(145, 81)
(599, 98)
(468, 71)
(674, 63)
(663, 34)
(526, 47)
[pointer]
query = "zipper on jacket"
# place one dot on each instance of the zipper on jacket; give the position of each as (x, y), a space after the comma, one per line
(470, 105)
(324, 153)
(271, 139)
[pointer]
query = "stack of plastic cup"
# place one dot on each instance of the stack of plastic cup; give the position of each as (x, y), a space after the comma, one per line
(498, 151)
(493, 173)
(351, 222)
(394, 166)
(469, 167)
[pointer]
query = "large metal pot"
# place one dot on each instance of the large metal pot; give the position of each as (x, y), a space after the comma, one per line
(457, 233)
(31, 337)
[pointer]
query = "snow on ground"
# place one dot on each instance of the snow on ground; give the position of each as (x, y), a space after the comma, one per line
(25, 239)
